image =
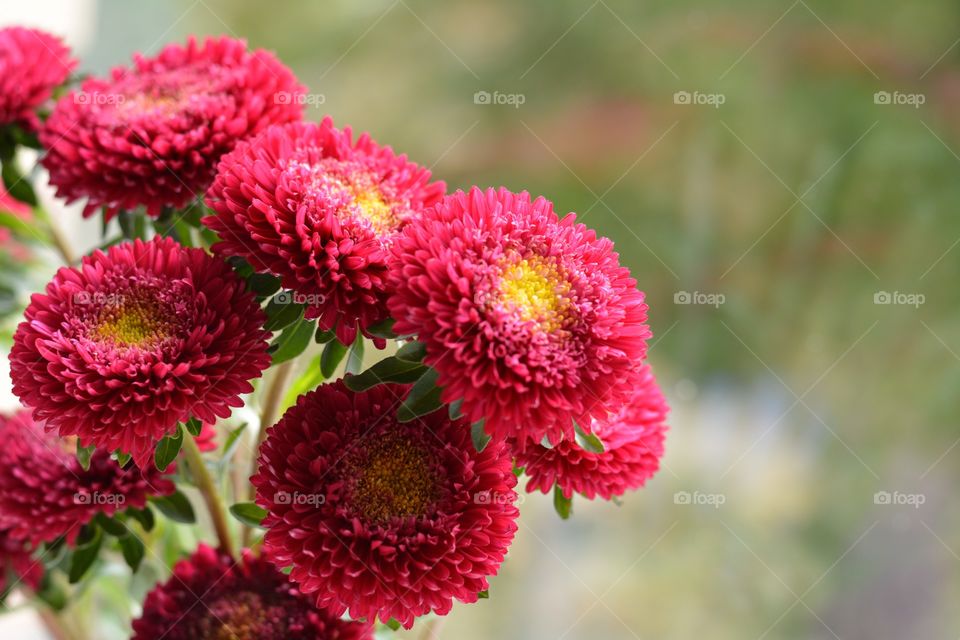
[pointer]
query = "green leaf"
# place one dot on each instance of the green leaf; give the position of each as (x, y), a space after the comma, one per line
(387, 370)
(412, 352)
(263, 284)
(84, 454)
(456, 409)
(292, 342)
(83, 558)
(479, 436)
(330, 358)
(248, 513)
(309, 379)
(324, 336)
(176, 507)
(355, 357)
(282, 312)
(562, 504)
(111, 525)
(484, 595)
(588, 441)
(133, 551)
(393, 624)
(123, 459)
(144, 516)
(168, 449)
(232, 442)
(17, 185)
(194, 427)
(423, 399)
(383, 329)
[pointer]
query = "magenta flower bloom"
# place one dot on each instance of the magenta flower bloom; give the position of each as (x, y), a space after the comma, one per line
(633, 446)
(17, 564)
(381, 518)
(151, 134)
(528, 319)
(32, 64)
(211, 596)
(307, 203)
(135, 340)
(45, 493)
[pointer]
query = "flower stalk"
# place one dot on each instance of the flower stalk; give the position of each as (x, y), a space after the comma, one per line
(210, 493)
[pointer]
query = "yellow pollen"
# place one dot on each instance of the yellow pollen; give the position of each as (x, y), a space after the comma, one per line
(132, 323)
(242, 619)
(393, 479)
(535, 289)
(375, 209)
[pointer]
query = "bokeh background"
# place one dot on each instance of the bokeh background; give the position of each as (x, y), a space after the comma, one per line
(793, 214)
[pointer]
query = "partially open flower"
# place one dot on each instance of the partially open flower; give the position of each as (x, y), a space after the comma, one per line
(213, 597)
(632, 440)
(528, 319)
(151, 134)
(311, 205)
(135, 340)
(381, 518)
(45, 493)
(32, 64)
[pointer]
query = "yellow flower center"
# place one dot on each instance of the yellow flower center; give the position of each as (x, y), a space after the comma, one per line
(135, 322)
(535, 290)
(375, 209)
(393, 479)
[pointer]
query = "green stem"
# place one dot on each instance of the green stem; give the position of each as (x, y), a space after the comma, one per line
(208, 489)
(60, 241)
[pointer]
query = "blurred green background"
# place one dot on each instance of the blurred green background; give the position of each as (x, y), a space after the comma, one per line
(787, 215)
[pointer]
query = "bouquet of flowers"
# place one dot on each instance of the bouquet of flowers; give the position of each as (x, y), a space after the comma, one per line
(299, 330)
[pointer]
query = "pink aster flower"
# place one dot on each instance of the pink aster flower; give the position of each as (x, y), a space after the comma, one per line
(381, 518)
(529, 319)
(32, 64)
(633, 439)
(311, 205)
(212, 596)
(136, 339)
(151, 134)
(45, 493)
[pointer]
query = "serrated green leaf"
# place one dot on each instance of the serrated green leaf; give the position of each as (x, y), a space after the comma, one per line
(331, 357)
(83, 557)
(479, 436)
(293, 341)
(412, 352)
(84, 454)
(248, 513)
(281, 311)
(176, 507)
(387, 370)
(562, 504)
(168, 449)
(423, 399)
(133, 551)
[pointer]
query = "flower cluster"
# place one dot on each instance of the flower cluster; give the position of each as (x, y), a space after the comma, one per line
(46, 494)
(210, 595)
(138, 338)
(32, 64)
(151, 134)
(386, 495)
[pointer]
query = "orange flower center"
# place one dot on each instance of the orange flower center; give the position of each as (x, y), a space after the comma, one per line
(393, 478)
